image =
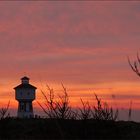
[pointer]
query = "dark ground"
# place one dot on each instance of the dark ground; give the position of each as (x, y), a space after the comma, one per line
(48, 129)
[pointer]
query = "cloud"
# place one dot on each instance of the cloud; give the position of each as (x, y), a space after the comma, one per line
(83, 44)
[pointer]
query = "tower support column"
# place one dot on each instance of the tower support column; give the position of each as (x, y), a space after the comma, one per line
(25, 109)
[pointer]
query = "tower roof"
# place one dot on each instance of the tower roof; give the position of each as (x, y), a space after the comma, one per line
(25, 84)
(25, 78)
(21, 86)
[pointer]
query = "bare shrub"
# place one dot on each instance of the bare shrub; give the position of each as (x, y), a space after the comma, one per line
(49, 108)
(57, 108)
(61, 108)
(4, 112)
(85, 111)
(74, 114)
(103, 112)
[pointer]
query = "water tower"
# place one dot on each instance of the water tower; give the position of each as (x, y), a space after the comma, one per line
(25, 94)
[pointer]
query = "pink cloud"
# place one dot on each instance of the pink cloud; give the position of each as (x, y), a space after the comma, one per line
(78, 43)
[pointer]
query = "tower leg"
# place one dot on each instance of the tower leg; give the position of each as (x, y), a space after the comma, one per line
(21, 109)
(25, 109)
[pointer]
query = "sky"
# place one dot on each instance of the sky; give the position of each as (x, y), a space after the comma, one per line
(83, 45)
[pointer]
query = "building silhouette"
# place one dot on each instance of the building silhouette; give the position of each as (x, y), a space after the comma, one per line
(25, 94)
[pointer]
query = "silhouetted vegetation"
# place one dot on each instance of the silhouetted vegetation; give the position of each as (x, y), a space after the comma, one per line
(91, 121)
(61, 109)
(103, 111)
(135, 66)
(85, 111)
(4, 111)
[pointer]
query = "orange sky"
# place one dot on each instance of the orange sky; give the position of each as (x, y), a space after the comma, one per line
(83, 45)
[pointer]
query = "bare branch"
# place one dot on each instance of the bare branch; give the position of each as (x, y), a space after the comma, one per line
(4, 111)
(103, 112)
(138, 57)
(85, 112)
(57, 109)
(134, 66)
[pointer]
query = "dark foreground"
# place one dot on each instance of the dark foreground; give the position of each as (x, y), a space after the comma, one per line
(47, 129)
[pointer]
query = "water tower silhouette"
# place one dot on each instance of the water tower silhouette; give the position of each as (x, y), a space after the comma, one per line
(25, 94)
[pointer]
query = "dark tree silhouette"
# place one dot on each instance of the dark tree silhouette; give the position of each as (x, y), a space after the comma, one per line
(61, 109)
(102, 111)
(135, 65)
(49, 108)
(58, 108)
(85, 111)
